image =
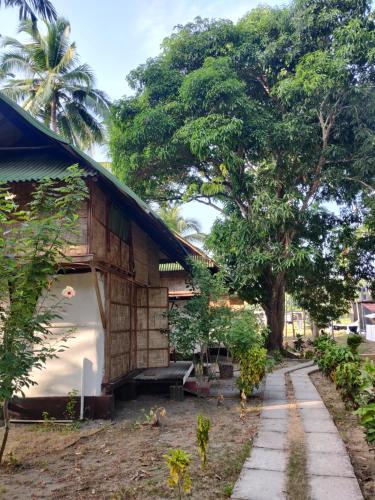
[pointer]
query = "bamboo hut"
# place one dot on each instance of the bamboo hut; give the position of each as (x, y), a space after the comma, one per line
(118, 312)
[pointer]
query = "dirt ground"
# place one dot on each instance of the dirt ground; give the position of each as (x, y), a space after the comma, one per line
(124, 459)
(362, 455)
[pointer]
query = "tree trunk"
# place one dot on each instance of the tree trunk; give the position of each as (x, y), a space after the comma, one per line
(314, 330)
(53, 115)
(275, 313)
(6, 429)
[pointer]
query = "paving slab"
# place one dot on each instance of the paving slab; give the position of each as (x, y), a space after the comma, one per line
(271, 439)
(315, 413)
(259, 485)
(266, 459)
(272, 412)
(319, 425)
(335, 488)
(324, 442)
(274, 424)
(329, 464)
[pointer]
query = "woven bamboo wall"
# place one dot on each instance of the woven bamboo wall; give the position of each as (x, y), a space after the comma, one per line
(152, 322)
(119, 328)
(105, 245)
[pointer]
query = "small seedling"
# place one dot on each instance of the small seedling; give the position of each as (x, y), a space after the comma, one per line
(178, 462)
(203, 428)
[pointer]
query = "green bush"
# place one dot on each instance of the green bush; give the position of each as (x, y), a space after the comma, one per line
(353, 341)
(321, 343)
(347, 378)
(333, 356)
(366, 390)
(367, 418)
(244, 332)
(252, 369)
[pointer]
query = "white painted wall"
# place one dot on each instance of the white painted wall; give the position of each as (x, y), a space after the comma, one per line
(370, 332)
(63, 374)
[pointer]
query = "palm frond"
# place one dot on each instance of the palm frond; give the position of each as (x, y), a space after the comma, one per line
(31, 9)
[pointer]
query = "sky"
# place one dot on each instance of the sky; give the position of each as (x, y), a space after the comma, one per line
(115, 36)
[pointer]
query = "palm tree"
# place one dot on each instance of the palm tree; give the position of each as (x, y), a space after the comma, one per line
(188, 228)
(52, 85)
(31, 9)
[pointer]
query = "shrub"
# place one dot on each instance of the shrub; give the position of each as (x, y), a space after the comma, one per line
(243, 333)
(322, 343)
(252, 369)
(366, 390)
(347, 377)
(353, 341)
(332, 356)
(367, 418)
(178, 462)
(203, 427)
(299, 343)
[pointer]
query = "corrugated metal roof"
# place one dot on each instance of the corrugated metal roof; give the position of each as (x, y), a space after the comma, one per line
(175, 266)
(170, 266)
(33, 166)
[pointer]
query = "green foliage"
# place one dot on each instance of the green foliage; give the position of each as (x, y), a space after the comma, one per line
(32, 10)
(71, 405)
(252, 369)
(355, 380)
(299, 343)
(198, 324)
(44, 75)
(347, 379)
(367, 418)
(366, 388)
(189, 228)
(333, 356)
(353, 342)
(178, 462)
(269, 118)
(203, 427)
(243, 332)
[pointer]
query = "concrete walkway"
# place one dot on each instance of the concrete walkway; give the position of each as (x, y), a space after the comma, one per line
(330, 472)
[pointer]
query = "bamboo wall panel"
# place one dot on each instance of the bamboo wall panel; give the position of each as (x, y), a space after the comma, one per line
(158, 358)
(152, 322)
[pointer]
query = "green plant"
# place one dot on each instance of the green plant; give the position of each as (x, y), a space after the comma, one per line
(71, 405)
(198, 323)
(252, 369)
(178, 463)
(353, 341)
(203, 428)
(228, 490)
(243, 332)
(367, 418)
(299, 343)
(366, 390)
(332, 356)
(347, 378)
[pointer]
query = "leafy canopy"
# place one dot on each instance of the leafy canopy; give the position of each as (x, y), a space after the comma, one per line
(272, 121)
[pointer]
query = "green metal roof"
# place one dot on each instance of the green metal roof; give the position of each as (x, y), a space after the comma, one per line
(33, 166)
(170, 266)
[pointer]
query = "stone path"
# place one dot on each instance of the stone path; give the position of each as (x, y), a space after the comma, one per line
(329, 470)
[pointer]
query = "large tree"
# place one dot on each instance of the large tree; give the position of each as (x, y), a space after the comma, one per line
(52, 85)
(271, 120)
